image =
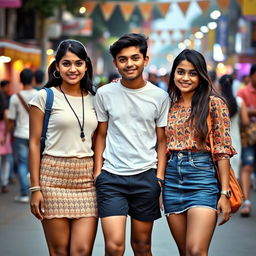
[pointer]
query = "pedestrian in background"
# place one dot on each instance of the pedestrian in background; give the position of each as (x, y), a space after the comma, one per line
(192, 197)
(238, 116)
(18, 123)
(63, 194)
(129, 171)
(5, 146)
(248, 94)
(39, 79)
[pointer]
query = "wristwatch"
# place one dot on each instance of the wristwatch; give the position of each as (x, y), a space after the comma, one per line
(226, 193)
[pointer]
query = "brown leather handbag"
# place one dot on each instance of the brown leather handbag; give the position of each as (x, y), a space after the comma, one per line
(236, 198)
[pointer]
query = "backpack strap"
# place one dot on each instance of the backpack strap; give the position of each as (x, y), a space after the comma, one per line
(47, 113)
(25, 105)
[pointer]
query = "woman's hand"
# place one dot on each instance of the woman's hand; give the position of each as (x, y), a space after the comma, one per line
(224, 208)
(37, 204)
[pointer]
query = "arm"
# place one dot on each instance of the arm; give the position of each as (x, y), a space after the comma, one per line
(244, 115)
(36, 117)
(161, 152)
(100, 144)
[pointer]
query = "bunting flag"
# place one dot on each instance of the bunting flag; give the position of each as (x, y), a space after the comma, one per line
(170, 31)
(127, 9)
(107, 9)
(224, 4)
(145, 10)
(203, 5)
(89, 6)
(159, 32)
(184, 6)
(163, 8)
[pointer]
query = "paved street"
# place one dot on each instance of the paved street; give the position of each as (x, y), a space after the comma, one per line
(21, 234)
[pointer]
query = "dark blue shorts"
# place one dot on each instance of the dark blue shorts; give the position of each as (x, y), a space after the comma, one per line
(249, 156)
(190, 181)
(134, 195)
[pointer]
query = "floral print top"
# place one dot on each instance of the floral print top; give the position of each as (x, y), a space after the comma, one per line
(180, 136)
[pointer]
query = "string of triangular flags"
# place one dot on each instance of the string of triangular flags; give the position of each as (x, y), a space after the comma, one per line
(145, 8)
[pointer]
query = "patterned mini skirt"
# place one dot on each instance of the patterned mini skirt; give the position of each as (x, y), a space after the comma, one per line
(67, 187)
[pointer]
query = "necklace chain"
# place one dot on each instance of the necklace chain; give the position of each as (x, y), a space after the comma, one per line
(80, 125)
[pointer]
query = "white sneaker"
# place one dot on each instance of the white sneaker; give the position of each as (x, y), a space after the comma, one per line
(21, 199)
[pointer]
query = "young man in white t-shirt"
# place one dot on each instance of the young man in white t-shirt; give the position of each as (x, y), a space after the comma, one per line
(129, 170)
(18, 120)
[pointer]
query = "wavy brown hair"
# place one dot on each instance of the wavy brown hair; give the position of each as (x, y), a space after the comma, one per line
(201, 97)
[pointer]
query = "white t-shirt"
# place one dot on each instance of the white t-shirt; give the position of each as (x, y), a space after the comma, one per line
(18, 113)
(63, 133)
(132, 115)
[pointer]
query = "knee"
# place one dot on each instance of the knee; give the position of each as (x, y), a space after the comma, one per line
(115, 249)
(82, 251)
(59, 251)
(141, 247)
(195, 251)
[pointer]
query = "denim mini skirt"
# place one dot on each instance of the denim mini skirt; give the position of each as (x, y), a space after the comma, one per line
(190, 181)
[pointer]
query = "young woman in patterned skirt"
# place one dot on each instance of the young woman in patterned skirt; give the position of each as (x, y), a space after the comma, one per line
(193, 199)
(62, 188)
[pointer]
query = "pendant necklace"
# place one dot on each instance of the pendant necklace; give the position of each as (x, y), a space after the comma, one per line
(80, 125)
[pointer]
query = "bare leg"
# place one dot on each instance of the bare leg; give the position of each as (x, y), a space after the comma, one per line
(246, 172)
(83, 233)
(178, 226)
(114, 235)
(141, 237)
(57, 233)
(201, 223)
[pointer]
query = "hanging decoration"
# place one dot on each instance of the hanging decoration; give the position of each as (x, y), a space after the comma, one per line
(145, 8)
(203, 5)
(164, 8)
(107, 9)
(127, 10)
(89, 6)
(184, 6)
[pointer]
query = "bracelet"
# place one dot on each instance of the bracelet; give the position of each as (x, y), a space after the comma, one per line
(161, 181)
(34, 189)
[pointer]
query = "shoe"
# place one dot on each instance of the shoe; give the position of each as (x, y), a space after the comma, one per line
(245, 209)
(4, 189)
(21, 199)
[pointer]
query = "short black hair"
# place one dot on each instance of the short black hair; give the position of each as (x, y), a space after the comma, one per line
(253, 69)
(4, 83)
(39, 76)
(127, 40)
(26, 76)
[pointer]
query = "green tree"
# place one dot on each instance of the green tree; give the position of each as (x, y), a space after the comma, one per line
(45, 9)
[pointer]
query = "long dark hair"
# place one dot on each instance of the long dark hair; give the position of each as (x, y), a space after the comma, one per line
(201, 97)
(79, 50)
(226, 82)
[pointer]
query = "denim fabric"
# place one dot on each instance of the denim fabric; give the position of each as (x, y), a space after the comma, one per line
(249, 155)
(21, 148)
(190, 181)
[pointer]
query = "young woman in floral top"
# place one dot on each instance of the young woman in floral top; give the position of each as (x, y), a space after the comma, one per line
(193, 198)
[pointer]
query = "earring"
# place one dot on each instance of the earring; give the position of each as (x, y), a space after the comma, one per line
(55, 74)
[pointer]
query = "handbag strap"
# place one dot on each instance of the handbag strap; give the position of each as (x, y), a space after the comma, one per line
(25, 105)
(210, 134)
(48, 110)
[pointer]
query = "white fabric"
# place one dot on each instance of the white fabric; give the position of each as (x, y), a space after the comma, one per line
(132, 115)
(18, 113)
(236, 139)
(63, 133)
